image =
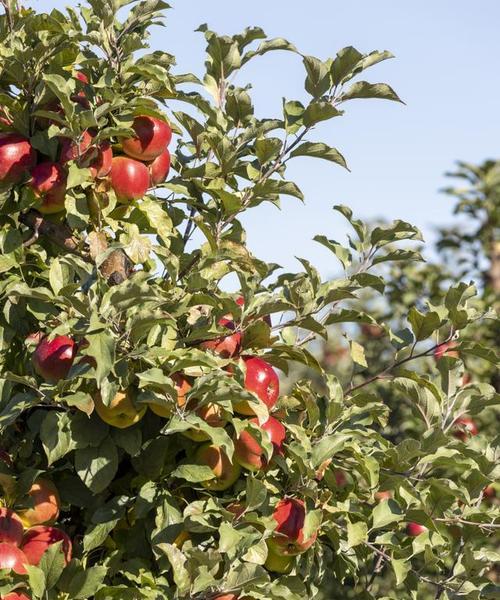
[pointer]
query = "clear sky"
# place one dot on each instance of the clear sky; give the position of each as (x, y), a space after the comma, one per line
(446, 70)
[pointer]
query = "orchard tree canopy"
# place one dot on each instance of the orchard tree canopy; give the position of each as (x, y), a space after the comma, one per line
(147, 451)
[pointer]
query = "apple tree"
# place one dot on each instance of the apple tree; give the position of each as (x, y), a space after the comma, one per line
(146, 448)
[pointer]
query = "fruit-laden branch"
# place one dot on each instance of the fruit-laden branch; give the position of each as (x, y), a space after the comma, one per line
(117, 266)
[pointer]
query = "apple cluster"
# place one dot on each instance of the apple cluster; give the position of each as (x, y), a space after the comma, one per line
(130, 168)
(26, 533)
(53, 359)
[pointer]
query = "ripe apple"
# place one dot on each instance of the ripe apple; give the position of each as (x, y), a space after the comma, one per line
(16, 596)
(182, 387)
(100, 166)
(38, 539)
(159, 168)
(48, 182)
(446, 349)
(122, 412)
(71, 150)
(11, 527)
(212, 414)
(152, 136)
(464, 428)
(226, 346)
(53, 359)
(414, 529)
(226, 473)
(277, 563)
(12, 558)
(288, 537)
(489, 492)
(383, 495)
(129, 179)
(247, 450)
(46, 504)
(262, 380)
(16, 157)
(340, 478)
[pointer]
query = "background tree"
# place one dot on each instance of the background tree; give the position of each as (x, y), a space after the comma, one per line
(147, 451)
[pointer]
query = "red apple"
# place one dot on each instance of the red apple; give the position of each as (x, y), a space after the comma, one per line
(16, 157)
(11, 527)
(48, 182)
(226, 473)
(446, 349)
(129, 179)
(464, 428)
(288, 537)
(71, 150)
(38, 539)
(340, 478)
(182, 387)
(262, 380)
(46, 504)
(152, 137)
(489, 492)
(159, 168)
(383, 495)
(80, 96)
(81, 77)
(100, 166)
(247, 450)
(414, 529)
(12, 558)
(53, 359)
(16, 596)
(228, 345)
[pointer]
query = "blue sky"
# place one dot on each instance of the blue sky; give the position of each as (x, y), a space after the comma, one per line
(446, 70)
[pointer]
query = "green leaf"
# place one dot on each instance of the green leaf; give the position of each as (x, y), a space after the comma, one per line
(386, 513)
(52, 564)
(363, 89)
(37, 580)
(193, 473)
(180, 573)
(344, 64)
(357, 533)
(82, 583)
(318, 78)
(358, 353)
(97, 466)
(319, 111)
(102, 348)
(56, 436)
(320, 150)
(423, 325)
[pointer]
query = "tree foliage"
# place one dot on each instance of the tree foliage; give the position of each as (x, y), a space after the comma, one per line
(142, 303)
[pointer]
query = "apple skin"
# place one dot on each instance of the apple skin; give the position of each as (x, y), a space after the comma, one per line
(13, 558)
(11, 527)
(71, 150)
(226, 473)
(383, 495)
(247, 450)
(38, 539)
(288, 538)
(446, 349)
(262, 380)
(414, 529)
(122, 412)
(53, 359)
(46, 504)
(129, 179)
(100, 166)
(182, 387)
(159, 168)
(152, 137)
(465, 427)
(226, 346)
(16, 157)
(340, 478)
(48, 182)
(277, 563)
(16, 596)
